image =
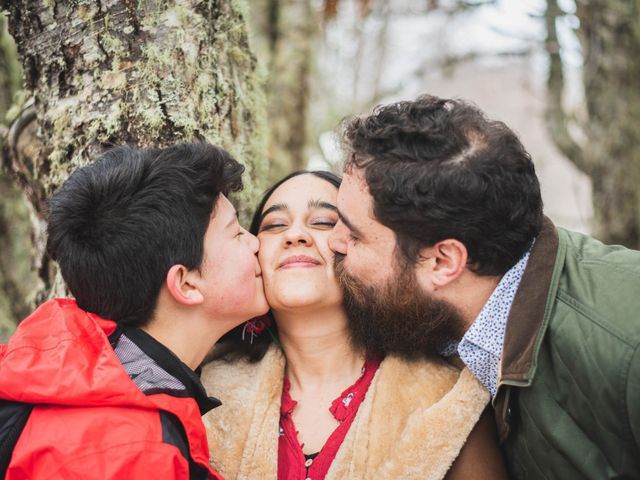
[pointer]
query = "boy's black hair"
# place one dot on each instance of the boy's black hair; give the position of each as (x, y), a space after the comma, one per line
(118, 225)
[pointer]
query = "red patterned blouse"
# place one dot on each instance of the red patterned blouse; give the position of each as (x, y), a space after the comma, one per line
(292, 463)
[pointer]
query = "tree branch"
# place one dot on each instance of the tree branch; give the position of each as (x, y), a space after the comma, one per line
(555, 116)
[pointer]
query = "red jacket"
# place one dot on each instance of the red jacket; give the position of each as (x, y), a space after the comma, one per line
(91, 421)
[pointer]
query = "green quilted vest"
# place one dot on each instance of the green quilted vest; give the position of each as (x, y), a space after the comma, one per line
(568, 403)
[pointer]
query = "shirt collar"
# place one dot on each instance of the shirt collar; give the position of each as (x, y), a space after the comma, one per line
(481, 346)
(166, 359)
(487, 330)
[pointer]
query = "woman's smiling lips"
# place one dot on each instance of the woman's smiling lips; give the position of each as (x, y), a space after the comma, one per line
(296, 261)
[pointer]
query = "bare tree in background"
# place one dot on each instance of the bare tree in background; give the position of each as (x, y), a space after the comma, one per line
(288, 36)
(146, 73)
(287, 33)
(610, 156)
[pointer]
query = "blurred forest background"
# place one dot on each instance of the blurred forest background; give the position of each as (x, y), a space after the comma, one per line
(270, 80)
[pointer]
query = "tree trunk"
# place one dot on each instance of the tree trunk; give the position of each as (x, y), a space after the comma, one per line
(10, 77)
(16, 278)
(146, 73)
(610, 36)
(287, 31)
(556, 119)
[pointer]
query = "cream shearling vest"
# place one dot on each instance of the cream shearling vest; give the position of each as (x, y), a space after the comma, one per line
(414, 420)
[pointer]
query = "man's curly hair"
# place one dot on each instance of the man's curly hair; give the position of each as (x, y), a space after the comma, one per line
(438, 168)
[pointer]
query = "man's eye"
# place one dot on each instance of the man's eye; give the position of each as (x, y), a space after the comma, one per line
(353, 238)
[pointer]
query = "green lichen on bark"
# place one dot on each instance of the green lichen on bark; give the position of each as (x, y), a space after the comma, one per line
(16, 277)
(163, 73)
(10, 76)
(145, 73)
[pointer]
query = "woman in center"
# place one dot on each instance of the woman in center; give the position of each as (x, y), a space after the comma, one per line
(300, 401)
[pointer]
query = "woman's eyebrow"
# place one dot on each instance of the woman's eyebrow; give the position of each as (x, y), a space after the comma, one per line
(276, 207)
(321, 204)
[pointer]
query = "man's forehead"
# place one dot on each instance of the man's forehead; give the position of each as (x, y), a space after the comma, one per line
(356, 210)
(355, 203)
(357, 178)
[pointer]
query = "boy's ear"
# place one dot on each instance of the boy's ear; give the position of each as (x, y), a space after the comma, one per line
(442, 263)
(182, 287)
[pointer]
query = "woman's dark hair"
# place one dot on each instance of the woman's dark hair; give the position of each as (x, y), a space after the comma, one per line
(438, 168)
(232, 346)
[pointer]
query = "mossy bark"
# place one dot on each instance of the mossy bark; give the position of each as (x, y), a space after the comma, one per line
(610, 156)
(10, 75)
(16, 277)
(145, 73)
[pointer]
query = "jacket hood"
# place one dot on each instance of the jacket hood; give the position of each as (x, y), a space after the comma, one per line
(60, 355)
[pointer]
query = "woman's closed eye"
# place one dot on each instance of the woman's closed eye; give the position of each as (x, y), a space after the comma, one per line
(272, 225)
(324, 222)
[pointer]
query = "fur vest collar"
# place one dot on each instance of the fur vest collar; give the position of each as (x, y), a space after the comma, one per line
(413, 422)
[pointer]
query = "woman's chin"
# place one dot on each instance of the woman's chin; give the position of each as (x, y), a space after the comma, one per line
(302, 301)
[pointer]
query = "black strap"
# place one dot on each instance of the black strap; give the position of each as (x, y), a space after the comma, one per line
(13, 418)
(173, 433)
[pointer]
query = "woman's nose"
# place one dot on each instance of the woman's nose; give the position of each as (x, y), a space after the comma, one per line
(297, 235)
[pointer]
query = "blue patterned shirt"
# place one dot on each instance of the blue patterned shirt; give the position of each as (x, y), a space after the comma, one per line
(481, 346)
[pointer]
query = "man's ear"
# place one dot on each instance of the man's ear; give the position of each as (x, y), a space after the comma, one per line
(182, 287)
(442, 263)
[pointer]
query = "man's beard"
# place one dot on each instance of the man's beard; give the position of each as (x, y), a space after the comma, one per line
(398, 318)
